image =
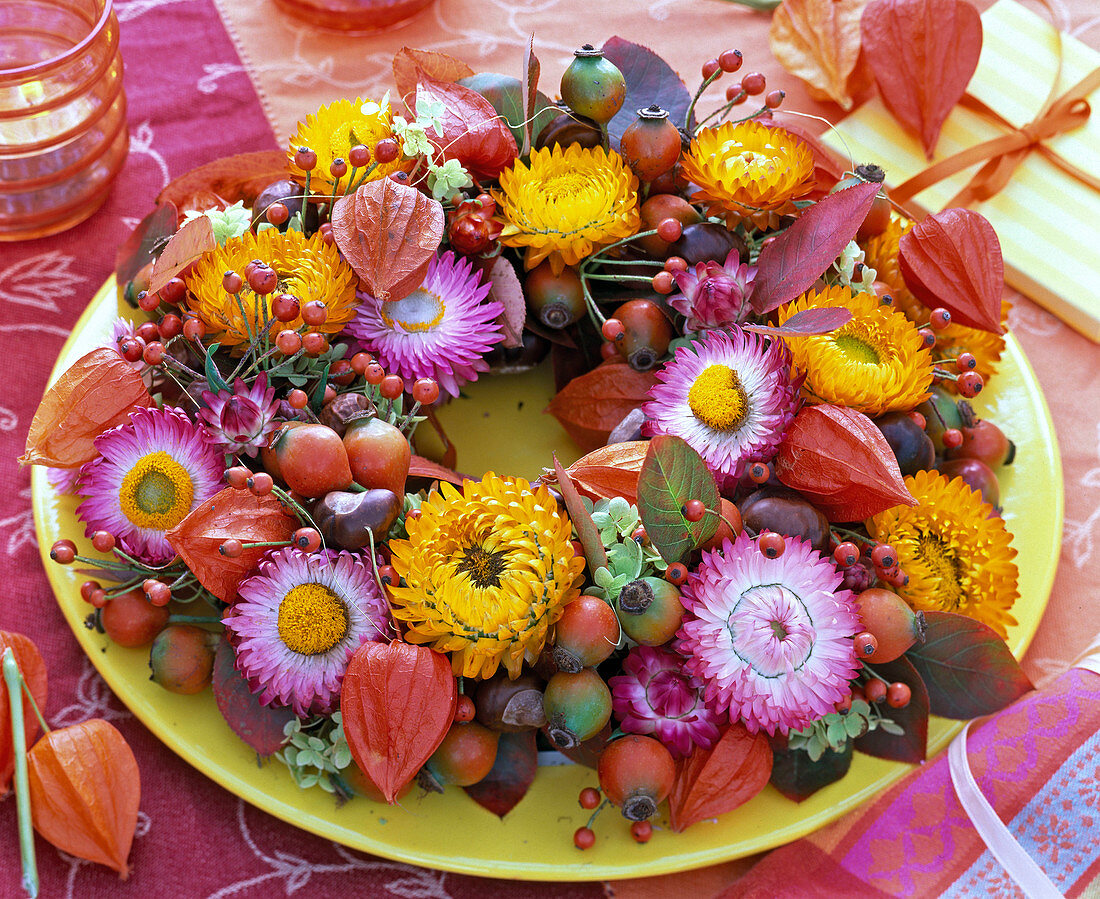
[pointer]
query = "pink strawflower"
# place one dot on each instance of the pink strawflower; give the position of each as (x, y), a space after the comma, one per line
(150, 474)
(771, 639)
(242, 421)
(297, 623)
(714, 296)
(655, 696)
(64, 480)
(729, 395)
(441, 330)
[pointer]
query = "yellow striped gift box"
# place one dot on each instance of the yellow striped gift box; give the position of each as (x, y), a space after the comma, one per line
(1048, 222)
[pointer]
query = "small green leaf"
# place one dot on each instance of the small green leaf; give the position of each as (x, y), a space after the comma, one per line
(890, 727)
(213, 376)
(317, 398)
(967, 668)
(672, 474)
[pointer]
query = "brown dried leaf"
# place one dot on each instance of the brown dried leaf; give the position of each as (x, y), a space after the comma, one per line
(388, 232)
(591, 405)
(411, 66)
(98, 392)
(85, 790)
(504, 287)
(223, 182)
(185, 246)
(229, 514)
(819, 42)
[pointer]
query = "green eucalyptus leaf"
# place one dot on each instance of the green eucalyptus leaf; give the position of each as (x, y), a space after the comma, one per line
(672, 474)
(213, 376)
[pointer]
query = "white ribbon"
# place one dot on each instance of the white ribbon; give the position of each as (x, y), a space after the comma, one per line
(1002, 845)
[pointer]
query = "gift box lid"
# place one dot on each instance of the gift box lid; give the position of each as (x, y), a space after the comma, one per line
(1048, 221)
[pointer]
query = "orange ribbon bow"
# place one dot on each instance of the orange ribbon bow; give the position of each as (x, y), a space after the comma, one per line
(1003, 154)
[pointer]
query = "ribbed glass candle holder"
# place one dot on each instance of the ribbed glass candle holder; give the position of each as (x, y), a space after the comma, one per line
(354, 16)
(63, 135)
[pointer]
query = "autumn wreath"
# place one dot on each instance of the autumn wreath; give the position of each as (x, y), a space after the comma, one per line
(785, 490)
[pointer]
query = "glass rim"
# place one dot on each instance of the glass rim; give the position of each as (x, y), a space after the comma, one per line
(55, 61)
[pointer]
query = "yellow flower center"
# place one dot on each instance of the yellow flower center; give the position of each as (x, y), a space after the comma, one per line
(943, 564)
(565, 186)
(354, 132)
(312, 619)
(421, 310)
(718, 400)
(483, 566)
(857, 350)
(156, 493)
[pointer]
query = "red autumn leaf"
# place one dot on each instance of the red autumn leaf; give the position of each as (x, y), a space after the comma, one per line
(513, 773)
(923, 54)
(411, 66)
(185, 247)
(224, 181)
(85, 789)
(473, 132)
(610, 470)
(791, 263)
(589, 406)
(711, 782)
(388, 232)
(141, 247)
(419, 467)
(808, 321)
(96, 393)
(589, 535)
(967, 668)
(229, 514)
(649, 79)
(398, 702)
(953, 259)
(504, 288)
(30, 663)
(818, 41)
(260, 726)
(841, 463)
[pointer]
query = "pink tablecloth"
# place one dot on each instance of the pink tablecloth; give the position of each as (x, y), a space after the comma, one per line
(191, 100)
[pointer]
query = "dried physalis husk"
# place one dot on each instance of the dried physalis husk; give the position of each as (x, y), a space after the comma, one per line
(85, 789)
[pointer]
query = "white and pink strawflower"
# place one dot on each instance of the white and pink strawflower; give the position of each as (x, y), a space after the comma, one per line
(150, 474)
(770, 639)
(298, 621)
(441, 330)
(714, 296)
(655, 696)
(242, 421)
(729, 395)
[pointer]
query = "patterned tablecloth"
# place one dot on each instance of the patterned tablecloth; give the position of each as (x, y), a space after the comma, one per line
(202, 85)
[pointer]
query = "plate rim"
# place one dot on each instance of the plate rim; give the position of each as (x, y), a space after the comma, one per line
(43, 494)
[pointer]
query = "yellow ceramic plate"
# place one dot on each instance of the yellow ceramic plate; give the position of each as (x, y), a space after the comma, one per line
(534, 841)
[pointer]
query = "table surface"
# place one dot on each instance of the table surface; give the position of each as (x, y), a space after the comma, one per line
(206, 78)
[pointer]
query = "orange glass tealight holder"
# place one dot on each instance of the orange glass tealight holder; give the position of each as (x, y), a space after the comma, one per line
(354, 16)
(63, 135)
